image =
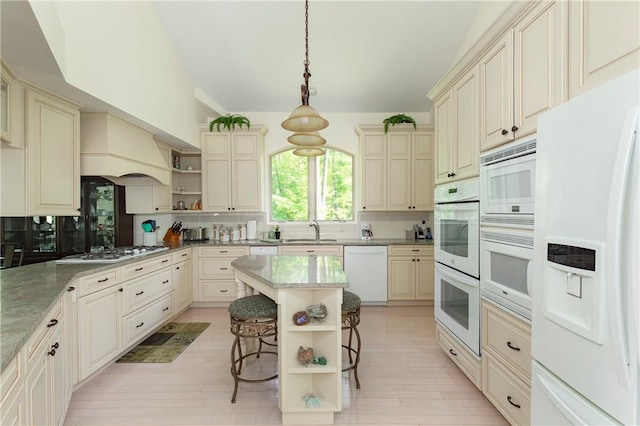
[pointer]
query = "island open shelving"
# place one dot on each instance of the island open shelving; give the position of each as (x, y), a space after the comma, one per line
(295, 283)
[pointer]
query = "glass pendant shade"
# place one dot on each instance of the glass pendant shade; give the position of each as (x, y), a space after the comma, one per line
(311, 151)
(307, 139)
(304, 119)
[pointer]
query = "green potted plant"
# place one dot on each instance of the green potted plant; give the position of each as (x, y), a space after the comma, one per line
(229, 122)
(398, 119)
(276, 232)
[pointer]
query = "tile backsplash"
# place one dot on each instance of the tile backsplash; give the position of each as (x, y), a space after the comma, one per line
(383, 224)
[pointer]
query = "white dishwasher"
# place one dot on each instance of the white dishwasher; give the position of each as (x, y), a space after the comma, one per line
(366, 270)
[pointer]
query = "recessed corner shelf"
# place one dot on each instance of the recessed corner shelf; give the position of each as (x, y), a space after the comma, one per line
(312, 369)
(299, 328)
(186, 172)
(186, 192)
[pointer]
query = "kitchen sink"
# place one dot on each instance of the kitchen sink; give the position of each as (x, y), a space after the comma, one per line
(307, 240)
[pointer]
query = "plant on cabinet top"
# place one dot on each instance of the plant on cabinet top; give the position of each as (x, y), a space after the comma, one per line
(229, 122)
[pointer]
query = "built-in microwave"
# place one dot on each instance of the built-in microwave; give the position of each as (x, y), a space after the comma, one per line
(507, 184)
(506, 262)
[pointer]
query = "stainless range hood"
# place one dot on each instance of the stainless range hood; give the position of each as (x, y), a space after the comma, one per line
(120, 151)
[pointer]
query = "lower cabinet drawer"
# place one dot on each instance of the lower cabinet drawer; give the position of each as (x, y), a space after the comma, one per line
(463, 358)
(216, 269)
(140, 322)
(509, 393)
(218, 291)
(138, 292)
(507, 336)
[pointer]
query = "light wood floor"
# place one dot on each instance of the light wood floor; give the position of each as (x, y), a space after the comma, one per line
(406, 380)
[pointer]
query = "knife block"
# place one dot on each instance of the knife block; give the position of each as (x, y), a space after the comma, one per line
(171, 237)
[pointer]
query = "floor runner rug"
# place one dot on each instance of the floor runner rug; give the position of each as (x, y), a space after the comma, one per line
(167, 343)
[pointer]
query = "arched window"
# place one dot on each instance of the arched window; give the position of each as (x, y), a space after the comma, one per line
(306, 188)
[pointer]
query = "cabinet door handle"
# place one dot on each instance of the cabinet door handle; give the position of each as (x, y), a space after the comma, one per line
(184, 254)
(513, 347)
(223, 251)
(104, 280)
(140, 325)
(138, 294)
(223, 291)
(223, 269)
(417, 260)
(165, 281)
(71, 288)
(52, 323)
(177, 267)
(139, 269)
(413, 260)
(165, 309)
(514, 128)
(511, 402)
(364, 207)
(504, 132)
(165, 261)
(311, 251)
(52, 352)
(120, 290)
(415, 250)
(56, 345)
(452, 352)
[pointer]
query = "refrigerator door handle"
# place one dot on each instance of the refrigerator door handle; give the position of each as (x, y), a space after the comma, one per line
(619, 184)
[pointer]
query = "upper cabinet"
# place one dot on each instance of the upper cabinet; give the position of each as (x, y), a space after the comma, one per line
(523, 74)
(456, 130)
(603, 42)
(397, 168)
(151, 198)
(43, 179)
(11, 109)
(232, 170)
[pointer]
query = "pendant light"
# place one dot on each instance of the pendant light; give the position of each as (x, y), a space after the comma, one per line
(305, 121)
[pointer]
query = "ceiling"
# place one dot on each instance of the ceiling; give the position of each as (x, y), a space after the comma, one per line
(365, 56)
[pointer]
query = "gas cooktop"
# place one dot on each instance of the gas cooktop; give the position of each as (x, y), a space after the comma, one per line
(113, 255)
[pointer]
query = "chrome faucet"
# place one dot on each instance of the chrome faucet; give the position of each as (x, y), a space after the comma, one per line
(316, 225)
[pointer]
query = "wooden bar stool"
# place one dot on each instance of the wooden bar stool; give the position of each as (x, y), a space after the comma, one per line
(350, 320)
(252, 317)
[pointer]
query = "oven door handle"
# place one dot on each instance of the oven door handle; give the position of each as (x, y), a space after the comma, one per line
(458, 277)
(529, 277)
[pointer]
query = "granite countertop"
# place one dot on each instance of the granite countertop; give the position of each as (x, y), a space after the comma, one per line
(294, 271)
(27, 293)
(340, 242)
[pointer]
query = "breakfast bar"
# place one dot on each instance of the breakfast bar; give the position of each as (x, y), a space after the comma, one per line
(296, 283)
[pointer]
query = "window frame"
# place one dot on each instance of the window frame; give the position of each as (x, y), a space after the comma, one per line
(312, 188)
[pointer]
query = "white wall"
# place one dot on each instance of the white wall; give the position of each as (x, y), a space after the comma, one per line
(489, 12)
(340, 133)
(120, 53)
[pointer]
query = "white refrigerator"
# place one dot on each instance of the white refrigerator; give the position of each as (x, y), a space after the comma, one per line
(586, 296)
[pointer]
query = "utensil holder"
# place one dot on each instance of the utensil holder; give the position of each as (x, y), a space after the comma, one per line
(150, 239)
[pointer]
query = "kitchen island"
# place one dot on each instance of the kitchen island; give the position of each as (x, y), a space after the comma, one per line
(295, 283)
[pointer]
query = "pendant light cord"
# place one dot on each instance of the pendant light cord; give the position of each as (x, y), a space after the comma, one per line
(305, 87)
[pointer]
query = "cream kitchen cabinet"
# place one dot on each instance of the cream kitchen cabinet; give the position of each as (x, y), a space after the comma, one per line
(99, 329)
(44, 178)
(457, 131)
(46, 383)
(397, 168)
(142, 199)
(182, 277)
(312, 250)
(523, 75)
(216, 276)
(11, 109)
(506, 364)
(603, 42)
(457, 352)
(232, 171)
(410, 273)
